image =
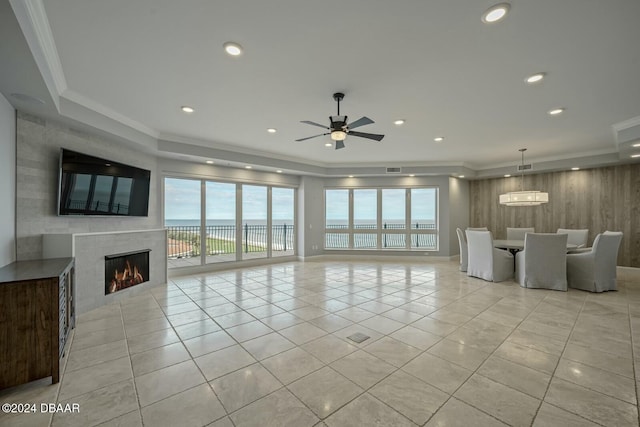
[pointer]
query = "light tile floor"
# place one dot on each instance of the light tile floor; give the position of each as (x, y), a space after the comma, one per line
(268, 346)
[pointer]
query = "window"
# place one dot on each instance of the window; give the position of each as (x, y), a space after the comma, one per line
(282, 221)
(254, 222)
(336, 219)
(365, 219)
(212, 222)
(394, 218)
(221, 221)
(381, 218)
(182, 219)
(423, 218)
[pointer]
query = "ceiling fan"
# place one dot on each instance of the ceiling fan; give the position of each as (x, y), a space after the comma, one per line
(339, 129)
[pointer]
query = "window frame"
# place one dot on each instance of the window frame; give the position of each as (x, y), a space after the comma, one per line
(238, 219)
(351, 231)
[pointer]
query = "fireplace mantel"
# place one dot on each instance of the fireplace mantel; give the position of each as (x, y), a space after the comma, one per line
(89, 250)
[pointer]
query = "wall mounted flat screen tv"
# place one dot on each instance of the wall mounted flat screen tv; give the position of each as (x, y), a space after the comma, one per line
(91, 186)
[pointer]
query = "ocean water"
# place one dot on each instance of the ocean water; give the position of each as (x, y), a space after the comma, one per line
(212, 222)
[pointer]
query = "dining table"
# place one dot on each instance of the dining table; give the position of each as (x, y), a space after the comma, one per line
(518, 245)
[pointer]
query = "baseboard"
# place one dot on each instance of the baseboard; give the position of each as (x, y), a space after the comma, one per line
(378, 258)
(231, 265)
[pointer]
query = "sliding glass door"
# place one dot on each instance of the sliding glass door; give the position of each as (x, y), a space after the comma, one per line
(282, 221)
(221, 221)
(254, 222)
(212, 222)
(182, 210)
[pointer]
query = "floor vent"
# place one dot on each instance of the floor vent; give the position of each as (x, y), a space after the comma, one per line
(358, 337)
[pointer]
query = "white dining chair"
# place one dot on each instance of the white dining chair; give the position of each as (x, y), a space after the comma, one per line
(518, 233)
(595, 271)
(543, 262)
(485, 261)
(578, 237)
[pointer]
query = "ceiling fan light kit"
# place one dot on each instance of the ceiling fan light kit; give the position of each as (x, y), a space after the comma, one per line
(339, 129)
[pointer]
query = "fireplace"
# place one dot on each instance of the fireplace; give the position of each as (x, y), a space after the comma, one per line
(125, 270)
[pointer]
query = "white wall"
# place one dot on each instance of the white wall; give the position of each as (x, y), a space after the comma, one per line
(310, 216)
(7, 182)
(458, 210)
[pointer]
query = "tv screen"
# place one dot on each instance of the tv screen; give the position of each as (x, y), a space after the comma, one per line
(94, 186)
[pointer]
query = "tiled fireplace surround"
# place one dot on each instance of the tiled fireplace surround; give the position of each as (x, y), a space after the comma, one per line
(90, 249)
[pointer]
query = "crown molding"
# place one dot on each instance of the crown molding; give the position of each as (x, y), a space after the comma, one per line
(32, 18)
(541, 160)
(634, 121)
(88, 103)
(221, 147)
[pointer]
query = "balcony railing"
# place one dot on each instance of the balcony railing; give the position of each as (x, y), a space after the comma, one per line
(390, 240)
(184, 241)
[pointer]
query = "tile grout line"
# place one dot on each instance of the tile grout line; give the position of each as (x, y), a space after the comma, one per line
(451, 396)
(553, 375)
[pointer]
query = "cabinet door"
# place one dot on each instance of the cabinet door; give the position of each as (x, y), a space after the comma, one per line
(26, 319)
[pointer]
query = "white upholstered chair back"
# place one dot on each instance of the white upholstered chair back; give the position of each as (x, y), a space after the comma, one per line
(543, 262)
(485, 261)
(576, 237)
(595, 271)
(518, 233)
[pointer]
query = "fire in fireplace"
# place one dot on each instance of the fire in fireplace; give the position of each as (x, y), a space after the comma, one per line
(122, 271)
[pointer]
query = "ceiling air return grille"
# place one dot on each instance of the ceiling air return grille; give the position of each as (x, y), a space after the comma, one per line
(394, 170)
(524, 168)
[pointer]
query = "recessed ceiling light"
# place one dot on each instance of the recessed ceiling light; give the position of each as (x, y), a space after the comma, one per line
(575, 169)
(272, 130)
(438, 138)
(350, 176)
(248, 167)
(635, 155)
(209, 162)
(328, 144)
(107, 164)
(495, 13)
(556, 111)
(535, 78)
(507, 175)
(233, 49)
(279, 171)
(412, 174)
(460, 176)
(187, 109)
(636, 145)
(399, 122)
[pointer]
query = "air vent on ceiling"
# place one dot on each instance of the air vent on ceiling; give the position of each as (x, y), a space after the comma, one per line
(522, 168)
(394, 170)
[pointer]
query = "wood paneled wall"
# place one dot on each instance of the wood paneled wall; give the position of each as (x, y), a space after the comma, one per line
(598, 199)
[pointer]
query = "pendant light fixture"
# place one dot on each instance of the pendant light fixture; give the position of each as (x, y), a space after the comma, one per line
(524, 197)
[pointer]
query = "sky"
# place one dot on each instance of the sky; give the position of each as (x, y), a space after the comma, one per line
(182, 201)
(365, 202)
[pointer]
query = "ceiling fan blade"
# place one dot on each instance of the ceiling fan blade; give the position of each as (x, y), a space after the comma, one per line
(309, 137)
(339, 145)
(367, 135)
(314, 124)
(360, 122)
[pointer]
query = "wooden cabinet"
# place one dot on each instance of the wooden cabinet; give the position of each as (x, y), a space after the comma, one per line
(36, 315)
